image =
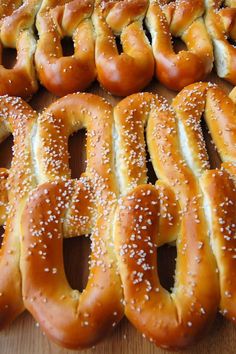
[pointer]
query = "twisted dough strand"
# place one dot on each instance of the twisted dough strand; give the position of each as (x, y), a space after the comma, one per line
(18, 118)
(16, 31)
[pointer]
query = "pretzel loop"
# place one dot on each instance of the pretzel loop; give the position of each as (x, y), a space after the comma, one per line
(64, 74)
(178, 70)
(130, 71)
(72, 319)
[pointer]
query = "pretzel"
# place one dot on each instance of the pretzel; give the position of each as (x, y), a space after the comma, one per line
(16, 31)
(57, 19)
(221, 25)
(18, 118)
(58, 208)
(182, 19)
(204, 278)
(130, 71)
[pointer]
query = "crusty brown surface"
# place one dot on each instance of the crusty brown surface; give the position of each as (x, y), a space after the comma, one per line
(16, 31)
(65, 74)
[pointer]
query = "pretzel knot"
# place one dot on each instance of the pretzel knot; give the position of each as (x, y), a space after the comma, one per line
(56, 20)
(16, 31)
(18, 118)
(65, 207)
(205, 237)
(130, 71)
(182, 19)
(221, 24)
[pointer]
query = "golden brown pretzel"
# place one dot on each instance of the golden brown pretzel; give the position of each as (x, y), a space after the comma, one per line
(16, 31)
(59, 209)
(221, 25)
(179, 158)
(18, 118)
(57, 19)
(130, 71)
(182, 19)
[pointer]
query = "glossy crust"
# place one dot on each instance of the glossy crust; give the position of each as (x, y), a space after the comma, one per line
(221, 25)
(207, 208)
(132, 70)
(16, 31)
(65, 208)
(57, 19)
(181, 19)
(19, 119)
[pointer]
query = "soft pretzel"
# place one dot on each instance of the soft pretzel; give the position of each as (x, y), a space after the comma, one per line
(16, 31)
(130, 71)
(182, 19)
(204, 265)
(58, 209)
(221, 24)
(18, 118)
(57, 19)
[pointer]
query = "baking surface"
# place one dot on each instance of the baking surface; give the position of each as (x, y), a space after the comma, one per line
(24, 336)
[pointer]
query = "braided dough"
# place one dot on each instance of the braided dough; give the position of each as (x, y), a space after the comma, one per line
(204, 277)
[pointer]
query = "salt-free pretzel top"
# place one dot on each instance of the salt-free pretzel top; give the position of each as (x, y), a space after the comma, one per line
(182, 19)
(18, 118)
(56, 19)
(16, 31)
(221, 24)
(130, 71)
(58, 209)
(176, 320)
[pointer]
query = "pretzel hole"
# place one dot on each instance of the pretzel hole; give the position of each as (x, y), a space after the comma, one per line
(9, 57)
(147, 33)
(214, 157)
(6, 152)
(152, 178)
(166, 264)
(178, 45)
(1, 235)
(76, 261)
(77, 153)
(231, 41)
(119, 45)
(67, 46)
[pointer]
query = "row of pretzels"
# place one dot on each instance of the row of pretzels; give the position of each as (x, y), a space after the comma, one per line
(127, 218)
(207, 29)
